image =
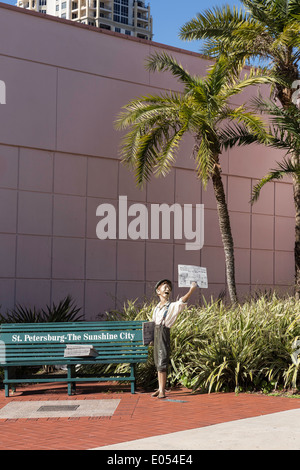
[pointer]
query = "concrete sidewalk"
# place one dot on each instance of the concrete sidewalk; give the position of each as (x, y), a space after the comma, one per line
(108, 417)
(277, 431)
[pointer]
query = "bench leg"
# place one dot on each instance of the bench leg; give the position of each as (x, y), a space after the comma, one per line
(71, 385)
(132, 373)
(6, 386)
(9, 372)
(69, 377)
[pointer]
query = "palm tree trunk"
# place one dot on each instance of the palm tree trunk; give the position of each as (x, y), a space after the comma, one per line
(285, 97)
(296, 190)
(225, 228)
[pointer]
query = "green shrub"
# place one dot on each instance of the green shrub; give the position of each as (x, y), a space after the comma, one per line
(240, 348)
(216, 347)
(65, 311)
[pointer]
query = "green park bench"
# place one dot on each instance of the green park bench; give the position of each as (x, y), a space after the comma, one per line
(42, 344)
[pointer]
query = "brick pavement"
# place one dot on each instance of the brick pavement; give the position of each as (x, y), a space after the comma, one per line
(137, 416)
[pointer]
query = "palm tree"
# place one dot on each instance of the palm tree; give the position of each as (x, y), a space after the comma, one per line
(270, 31)
(158, 124)
(285, 134)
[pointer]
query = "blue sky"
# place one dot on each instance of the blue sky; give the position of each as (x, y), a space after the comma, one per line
(170, 15)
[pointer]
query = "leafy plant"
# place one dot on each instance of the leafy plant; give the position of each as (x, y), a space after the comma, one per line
(21, 314)
(65, 311)
(221, 348)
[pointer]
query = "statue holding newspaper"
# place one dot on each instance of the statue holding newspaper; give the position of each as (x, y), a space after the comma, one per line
(164, 317)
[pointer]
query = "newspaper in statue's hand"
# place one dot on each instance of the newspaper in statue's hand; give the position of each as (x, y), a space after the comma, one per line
(188, 274)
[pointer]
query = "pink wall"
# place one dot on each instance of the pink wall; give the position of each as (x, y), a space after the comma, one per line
(65, 84)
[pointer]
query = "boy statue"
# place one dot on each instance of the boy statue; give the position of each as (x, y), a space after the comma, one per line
(164, 316)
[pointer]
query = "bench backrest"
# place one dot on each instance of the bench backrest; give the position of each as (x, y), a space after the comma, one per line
(44, 343)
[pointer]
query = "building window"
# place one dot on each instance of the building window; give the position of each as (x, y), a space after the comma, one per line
(64, 5)
(127, 32)
(104, 26)
(117, 30)
(121, 11)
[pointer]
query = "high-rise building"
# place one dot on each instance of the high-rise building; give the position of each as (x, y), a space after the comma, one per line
(131, 17)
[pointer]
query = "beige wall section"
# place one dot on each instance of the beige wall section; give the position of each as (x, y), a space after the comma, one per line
(65, 84)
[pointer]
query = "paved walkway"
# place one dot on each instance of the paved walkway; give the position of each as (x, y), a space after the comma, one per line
(183, 421)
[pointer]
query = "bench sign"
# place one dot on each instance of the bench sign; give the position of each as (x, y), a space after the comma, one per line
(71, 337)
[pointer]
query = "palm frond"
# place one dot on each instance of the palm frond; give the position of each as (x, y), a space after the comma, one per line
(157, 125)
(293, 8)
(289, 37)
(254, 78)
(219, 75)
(286, 167)
(273, 13)
(213, 23)
(168, 152)
(146, 108)
(236, 135)
(253, 123)
(144, 159)
(285, 121)
(164, 62)
(205, 159)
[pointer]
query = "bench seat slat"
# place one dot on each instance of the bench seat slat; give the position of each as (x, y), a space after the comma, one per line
(34, 348)
(76, 362)
(75, 379)
(78, 358)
